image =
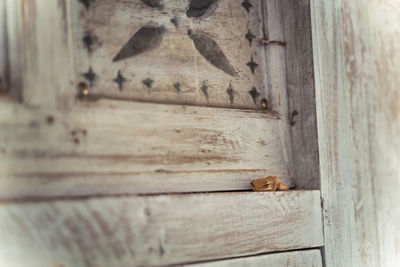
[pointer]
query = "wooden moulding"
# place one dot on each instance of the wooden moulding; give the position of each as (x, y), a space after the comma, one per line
(334, 137)
(55, 146)
(109, 147)
(307, 258)
(301, 92)
(158, 230)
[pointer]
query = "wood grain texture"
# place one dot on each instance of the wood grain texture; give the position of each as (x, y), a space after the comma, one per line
(159, 230)
(301, 92)
(43, 45)
(3, 48)
(371, 38)
(177, 68)
(359, 68)
(275, 76)
(306, 258)
(334, 135)
(358, 119)
(108, 147)
(11, 47)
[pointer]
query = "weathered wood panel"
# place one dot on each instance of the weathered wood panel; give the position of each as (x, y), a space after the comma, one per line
(306, 258)
(108, 147)
(275, 77)
(130, 50)
(334, 134)
(42, 61)
(359, 85)
(138, 231)
(10, 73)
(3, 48)
(301, 92)
(371, 49)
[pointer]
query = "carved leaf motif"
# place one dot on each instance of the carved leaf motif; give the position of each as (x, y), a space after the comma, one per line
(146, 38)
(210, 50)
(154, 3)
(198, 8)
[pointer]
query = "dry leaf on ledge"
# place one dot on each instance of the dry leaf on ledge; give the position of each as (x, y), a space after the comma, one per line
(270, 183)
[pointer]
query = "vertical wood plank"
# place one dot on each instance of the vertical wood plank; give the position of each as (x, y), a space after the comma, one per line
(358, 127)
(13, 48)
(3, 47)
(157, 230)
(360, 87)
(276, 77)
(301, 92)
(334, 134)
(46, 58)
(371, 31)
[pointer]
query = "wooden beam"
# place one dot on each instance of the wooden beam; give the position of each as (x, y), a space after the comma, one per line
(3, 48)
(334, 134)
(43, 46)
(275, 77)
(116, 147)
(301, 92)
(157, 230)
(11, 47)
(306, 258)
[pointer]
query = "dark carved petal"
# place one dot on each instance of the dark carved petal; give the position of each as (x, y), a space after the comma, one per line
(198, 8)
(254, 94)
(146, 38)
(154, 3)
(210, 50)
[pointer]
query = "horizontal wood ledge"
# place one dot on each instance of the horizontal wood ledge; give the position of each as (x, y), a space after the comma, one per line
(302, 258)
(158, 230)
(109, 147)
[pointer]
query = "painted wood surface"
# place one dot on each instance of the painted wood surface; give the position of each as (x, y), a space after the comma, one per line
(301, 91)
(159, 230)
(306, 258)
(119, 54)
(371, 35)
(359, 67)
(108, 147)
(275, 78)
(358, 127)
(42, 61)
(334, 135)
(3, 48)
(11, 47)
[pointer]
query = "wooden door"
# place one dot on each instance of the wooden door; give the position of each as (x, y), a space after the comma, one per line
(107, 106)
